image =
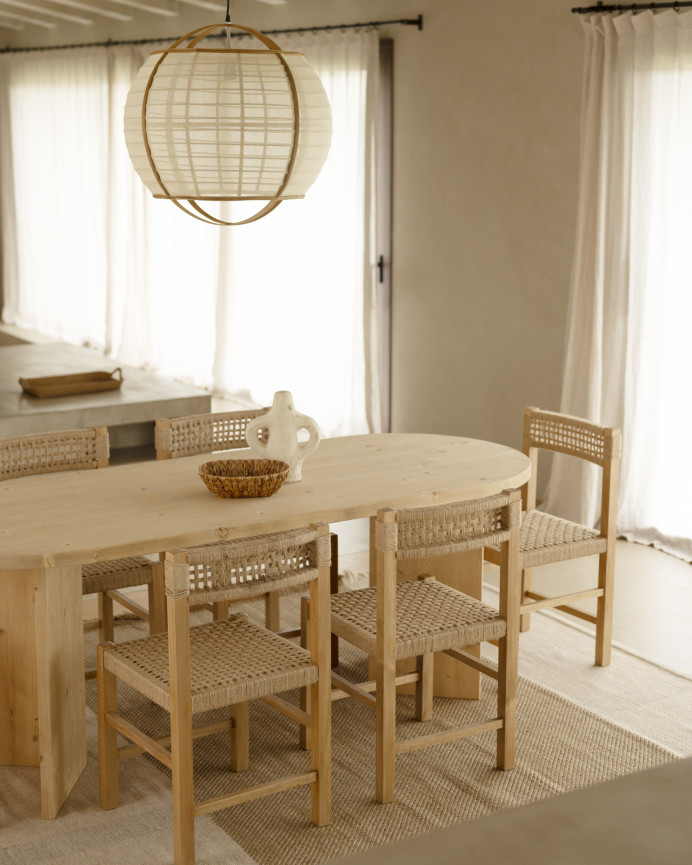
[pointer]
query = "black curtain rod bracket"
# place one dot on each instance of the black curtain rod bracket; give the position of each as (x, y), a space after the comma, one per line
(371, 25)
(628, 7)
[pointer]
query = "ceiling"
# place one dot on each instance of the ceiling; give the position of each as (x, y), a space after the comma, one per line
(57, 16)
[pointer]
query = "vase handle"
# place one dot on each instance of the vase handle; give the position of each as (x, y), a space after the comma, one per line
(254, 442)
(309, 446)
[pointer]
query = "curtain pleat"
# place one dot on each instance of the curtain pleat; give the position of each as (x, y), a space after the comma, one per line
(628, 353)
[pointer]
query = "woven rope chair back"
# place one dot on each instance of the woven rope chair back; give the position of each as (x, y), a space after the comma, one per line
(64, 451)
(248, 567)
(570, 435)
(204, 433)
(442, 530)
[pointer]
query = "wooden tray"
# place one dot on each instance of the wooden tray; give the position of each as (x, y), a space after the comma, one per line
(66, 385)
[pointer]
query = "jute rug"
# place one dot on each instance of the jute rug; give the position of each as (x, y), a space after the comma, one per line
(561, 746)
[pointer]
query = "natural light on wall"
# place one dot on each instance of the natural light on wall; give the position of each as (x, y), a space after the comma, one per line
(91, 257)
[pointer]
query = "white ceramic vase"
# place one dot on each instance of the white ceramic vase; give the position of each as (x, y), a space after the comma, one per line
(280, 426)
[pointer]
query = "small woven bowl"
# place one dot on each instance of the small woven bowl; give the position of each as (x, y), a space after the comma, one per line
(239, 479)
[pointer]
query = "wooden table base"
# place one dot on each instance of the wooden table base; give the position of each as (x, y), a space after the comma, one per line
(42, 715)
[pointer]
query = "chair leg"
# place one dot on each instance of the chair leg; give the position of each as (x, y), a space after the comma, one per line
(157, 601)
(526, 584)
(604, 611)
(385, 722)
(240, 737)
(108, 737)
(321, 704)
(508, 652)
(424, 687)
(424, 665)
(385, 669)
(183, 802)
(305, 701)
(106, 633)
(320, 740)
(181, 732)
(271, 611)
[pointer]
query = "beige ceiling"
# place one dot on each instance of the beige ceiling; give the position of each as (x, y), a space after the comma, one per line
(56, 17)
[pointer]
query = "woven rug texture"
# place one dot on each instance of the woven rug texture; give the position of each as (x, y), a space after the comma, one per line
(561, 745)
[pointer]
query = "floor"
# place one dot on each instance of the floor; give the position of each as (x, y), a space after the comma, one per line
(653, 600)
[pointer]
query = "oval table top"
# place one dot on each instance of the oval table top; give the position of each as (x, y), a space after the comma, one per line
(77, 517)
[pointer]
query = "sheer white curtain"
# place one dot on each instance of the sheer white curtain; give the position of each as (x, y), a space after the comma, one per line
(90, 257)
(629, 350)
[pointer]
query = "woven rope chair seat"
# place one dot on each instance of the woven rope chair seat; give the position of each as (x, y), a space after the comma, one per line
(430, 617)
(546, 539)
(116, 574)
(231, 661)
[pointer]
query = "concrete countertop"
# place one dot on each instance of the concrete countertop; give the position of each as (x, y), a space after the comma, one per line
(143, 397)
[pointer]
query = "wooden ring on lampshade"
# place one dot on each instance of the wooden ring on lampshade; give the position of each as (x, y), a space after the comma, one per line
(193, 207)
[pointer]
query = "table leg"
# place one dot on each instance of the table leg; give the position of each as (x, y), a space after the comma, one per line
(463, 571)
(18, 691)
(42, 719)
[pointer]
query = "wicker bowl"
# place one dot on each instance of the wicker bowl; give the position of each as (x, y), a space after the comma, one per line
(237, 479)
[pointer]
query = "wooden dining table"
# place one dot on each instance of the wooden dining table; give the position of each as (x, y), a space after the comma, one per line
(51, 525)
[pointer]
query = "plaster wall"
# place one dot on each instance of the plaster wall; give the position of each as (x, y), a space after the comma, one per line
(486, 139)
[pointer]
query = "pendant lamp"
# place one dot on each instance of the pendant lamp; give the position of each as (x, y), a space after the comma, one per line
(213, 123)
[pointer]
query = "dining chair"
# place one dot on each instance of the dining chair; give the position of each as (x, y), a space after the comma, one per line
(223, 431)
(76, 450)
(224, 663)
(395, 620)
(205, 433)
(547, 539)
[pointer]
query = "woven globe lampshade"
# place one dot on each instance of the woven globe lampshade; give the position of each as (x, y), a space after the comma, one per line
(214, 124)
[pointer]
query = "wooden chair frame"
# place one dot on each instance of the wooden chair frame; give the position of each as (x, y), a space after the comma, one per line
(175, 751)
(205, 433)
(380, 694)
(560, 433)
(219, 431)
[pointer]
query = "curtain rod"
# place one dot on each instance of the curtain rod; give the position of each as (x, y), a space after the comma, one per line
(409, 22)
(629, 7)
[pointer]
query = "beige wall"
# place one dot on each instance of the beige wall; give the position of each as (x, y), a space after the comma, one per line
(486, 110)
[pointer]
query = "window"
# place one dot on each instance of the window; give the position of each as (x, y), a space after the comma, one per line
(92, 258)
